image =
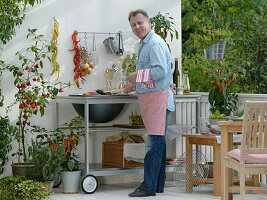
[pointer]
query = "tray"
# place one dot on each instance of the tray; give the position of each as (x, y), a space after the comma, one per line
(128, 126)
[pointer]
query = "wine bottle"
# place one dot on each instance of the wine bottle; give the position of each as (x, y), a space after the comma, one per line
(176, 75)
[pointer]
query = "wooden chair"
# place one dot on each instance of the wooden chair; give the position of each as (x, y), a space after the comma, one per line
(251, 158)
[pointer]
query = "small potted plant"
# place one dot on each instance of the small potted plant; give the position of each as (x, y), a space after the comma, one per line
(210, 35)
(46, 160)
(164, 26)
(221, 76)
(69, 139)
(128, 63)
(217, 116)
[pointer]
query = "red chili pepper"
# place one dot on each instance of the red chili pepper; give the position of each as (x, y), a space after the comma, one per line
(165, 32)
(76, 59)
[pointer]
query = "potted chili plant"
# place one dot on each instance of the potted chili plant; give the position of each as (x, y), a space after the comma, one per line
(68, 139)
(33, 90)
(163, 25)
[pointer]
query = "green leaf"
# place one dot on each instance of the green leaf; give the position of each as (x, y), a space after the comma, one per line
(70, 165)
(41, 64)
(42, 111)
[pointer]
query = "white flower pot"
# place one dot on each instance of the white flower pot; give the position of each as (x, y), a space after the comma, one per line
(70, 181)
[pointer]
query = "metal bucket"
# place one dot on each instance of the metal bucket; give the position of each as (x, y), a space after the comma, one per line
(215, 51)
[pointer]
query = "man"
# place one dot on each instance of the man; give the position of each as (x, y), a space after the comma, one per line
(152, 81)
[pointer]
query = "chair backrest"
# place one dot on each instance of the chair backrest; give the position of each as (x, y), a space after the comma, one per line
(254, 132)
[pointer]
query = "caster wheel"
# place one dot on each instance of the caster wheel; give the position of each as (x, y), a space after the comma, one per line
(89, 184)
(57, 182)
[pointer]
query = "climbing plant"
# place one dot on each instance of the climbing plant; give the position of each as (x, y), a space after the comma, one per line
(12, 15)
(247, 22)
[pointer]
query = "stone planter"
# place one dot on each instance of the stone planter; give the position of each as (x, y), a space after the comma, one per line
(70, 181)
(19, 169)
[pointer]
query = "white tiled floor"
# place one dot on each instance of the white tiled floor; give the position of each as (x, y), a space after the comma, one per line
(121, 191)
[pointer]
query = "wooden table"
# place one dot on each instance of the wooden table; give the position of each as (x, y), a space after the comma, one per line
(227, 130)
(209, 141)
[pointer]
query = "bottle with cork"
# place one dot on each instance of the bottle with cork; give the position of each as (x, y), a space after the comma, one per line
(176, 75)
(186, 84)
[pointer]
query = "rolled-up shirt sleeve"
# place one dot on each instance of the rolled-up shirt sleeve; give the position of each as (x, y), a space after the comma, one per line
(158, 62)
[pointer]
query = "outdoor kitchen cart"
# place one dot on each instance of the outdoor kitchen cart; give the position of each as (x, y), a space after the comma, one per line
(91, 171)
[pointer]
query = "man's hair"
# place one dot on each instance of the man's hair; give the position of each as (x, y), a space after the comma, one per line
(135, 12)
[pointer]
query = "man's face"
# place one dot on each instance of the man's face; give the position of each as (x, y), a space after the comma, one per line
(140, 25)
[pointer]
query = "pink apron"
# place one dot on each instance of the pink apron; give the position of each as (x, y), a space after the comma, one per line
(153, 110)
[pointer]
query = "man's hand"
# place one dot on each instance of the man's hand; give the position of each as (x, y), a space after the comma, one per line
(129, 87)
(132, 77)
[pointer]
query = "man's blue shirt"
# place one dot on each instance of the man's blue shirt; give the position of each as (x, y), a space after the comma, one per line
(154, 54)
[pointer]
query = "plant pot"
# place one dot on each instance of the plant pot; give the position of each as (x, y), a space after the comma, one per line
(70, 181)
(215, 51)
(215, 121)
(48, 185)
(19, 169)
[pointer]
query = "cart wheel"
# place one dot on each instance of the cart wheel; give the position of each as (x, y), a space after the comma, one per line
(57, 181)
(89, 184)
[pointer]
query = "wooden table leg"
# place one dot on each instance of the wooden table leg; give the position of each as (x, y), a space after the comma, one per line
(217, 182)
(226, 145)
(189, 170)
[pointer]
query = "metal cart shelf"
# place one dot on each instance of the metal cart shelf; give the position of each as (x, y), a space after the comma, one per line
(89, 181)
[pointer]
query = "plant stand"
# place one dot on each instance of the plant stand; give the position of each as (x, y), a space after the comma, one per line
(215, 51)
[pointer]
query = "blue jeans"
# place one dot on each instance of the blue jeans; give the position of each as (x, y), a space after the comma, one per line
(155, 161)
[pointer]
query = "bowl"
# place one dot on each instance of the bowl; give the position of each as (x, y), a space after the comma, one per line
(100, 113)
(215, 121)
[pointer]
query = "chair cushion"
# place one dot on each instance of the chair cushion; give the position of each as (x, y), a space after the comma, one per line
(249, 158)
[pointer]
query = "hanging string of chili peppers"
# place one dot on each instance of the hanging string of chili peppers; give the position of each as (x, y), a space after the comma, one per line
(76, 59)
(54, 47)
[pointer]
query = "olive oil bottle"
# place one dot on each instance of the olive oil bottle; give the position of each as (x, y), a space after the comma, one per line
(186, 84)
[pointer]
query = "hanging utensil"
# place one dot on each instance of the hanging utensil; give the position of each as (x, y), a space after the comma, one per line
(111, 45)
(94, 55)
(120, 49)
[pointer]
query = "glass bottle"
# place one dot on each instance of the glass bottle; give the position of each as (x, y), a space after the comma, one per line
(176, 75)
(186, 84)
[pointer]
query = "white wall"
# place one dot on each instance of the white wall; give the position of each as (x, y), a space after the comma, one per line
(81, 15)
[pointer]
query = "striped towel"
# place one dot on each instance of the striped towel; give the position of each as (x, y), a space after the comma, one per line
(143, 77)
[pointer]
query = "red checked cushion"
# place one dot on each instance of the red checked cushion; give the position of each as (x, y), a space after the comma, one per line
(249, 158)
